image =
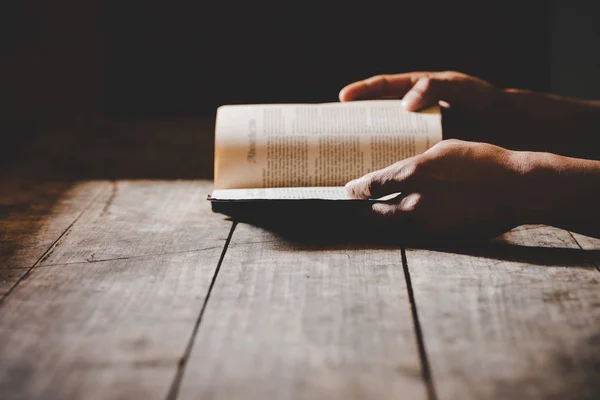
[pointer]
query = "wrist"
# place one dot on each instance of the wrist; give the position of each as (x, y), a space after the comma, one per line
(541, 121)
(540, 188)
(553, 189)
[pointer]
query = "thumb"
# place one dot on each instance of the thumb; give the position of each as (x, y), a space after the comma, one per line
(427, 91)
(452, 88)
(390, 180)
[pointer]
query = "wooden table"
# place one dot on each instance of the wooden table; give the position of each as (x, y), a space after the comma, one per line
(117, 281)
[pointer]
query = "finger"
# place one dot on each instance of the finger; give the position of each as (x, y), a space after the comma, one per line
(396, 217)
(408, 204)
(408, 217)
(380, 86)
(444, 87)
(393, 179)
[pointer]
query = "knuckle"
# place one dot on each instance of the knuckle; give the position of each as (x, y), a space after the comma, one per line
(377, 182)
(409, 171)
(449, 146)
(424, 84)
(449, 72)
(452, 74)
(452, 141)
(372, 184)
(440, 148)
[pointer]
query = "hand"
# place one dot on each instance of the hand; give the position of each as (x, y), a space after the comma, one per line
(469, 103)
(475, 110)
(455, 189)
(423, 89)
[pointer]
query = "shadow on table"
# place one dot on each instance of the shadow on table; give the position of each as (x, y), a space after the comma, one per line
(575, 373)
(329, 226)
(549, 256)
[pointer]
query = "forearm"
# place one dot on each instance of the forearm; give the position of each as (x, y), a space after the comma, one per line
(544, 122)
(560, 191)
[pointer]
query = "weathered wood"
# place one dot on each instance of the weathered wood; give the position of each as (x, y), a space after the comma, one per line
(33, 216)
(286, 320)
(592, 245)
(109, 313)
(515, 319)
(587, 242)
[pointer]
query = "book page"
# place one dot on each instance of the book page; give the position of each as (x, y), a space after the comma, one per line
(287, 193)
(312, 145)
(283, 193)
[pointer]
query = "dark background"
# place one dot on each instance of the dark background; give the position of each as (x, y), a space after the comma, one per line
(90, 59)
(190, 58)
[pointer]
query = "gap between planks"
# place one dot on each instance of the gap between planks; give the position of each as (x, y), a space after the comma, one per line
(425, 367)
(595, 263)
(310, 319)
(174, 389)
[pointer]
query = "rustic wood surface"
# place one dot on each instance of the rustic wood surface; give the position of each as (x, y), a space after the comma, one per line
(117, 281)
(33, 219)
(515, 318)
(592, 244)
(110, 311)
(290, 320)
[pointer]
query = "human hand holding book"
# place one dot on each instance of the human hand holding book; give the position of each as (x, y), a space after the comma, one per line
(274, 157)
(310, 151)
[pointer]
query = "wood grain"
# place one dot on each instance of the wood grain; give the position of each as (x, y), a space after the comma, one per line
(592, 245)
(305, 321)
(110, 312)
(33, 216)
(516, 318)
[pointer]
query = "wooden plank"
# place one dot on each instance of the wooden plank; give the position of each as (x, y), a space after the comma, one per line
(34, 216)
(289, 320)
(518, 318)
(110, 312)
(591, 246)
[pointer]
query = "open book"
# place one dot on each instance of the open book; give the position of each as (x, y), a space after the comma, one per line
(310, 151)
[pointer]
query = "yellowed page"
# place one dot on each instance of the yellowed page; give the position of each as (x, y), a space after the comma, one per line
(288, 193)
(310, 145)
(283, 193)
